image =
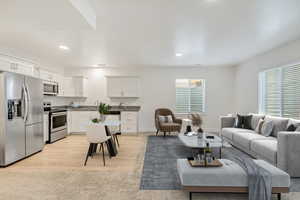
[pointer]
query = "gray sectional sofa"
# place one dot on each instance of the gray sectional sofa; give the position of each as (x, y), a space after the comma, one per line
(281, 148)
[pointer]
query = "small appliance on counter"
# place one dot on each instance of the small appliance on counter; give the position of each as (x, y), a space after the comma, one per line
(57, 123)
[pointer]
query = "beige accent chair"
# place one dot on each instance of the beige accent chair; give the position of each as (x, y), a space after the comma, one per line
(96, 134)
(169, 127)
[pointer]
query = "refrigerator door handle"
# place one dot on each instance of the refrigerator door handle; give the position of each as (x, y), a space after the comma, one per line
(26, 103)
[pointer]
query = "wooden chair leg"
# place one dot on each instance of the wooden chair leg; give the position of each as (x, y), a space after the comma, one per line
(88, 153)
(164, 134)
(117, 140)
(157, 132)
(92, 149)
(107, 149)
(102, 147)
(95, 148)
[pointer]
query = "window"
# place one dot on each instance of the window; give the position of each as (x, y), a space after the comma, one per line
(190, 95)
(280, 91)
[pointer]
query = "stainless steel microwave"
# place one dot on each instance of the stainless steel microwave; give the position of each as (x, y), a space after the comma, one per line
(50, 88)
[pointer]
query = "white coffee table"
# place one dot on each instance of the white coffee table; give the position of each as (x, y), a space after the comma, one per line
(195, 144)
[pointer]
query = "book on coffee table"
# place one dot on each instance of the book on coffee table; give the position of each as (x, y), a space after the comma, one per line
(214, 163)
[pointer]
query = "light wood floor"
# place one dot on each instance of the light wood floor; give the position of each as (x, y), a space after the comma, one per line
(57, 173)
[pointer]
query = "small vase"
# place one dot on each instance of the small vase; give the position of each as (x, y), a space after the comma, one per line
(102, 117)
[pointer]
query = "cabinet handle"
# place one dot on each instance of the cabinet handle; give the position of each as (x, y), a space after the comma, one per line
(14, 66)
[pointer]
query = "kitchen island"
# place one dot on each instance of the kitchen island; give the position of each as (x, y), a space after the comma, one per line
(79, 117)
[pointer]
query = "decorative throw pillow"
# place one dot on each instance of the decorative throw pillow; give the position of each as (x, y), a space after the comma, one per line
(239, 121)
(297, 129)
(165, 119)
(247, 121)
(243, 121)
(279, 123)
(291, 127)
(267, 128)
(259, 126)
(255, 120)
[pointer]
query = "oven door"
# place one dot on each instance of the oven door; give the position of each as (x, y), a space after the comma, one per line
(58, 121)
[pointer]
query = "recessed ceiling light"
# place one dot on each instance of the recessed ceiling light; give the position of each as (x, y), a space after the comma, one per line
(64, 47)
(179, 54)
(99, 65)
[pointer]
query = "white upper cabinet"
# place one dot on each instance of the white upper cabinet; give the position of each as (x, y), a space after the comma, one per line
(4, 65)
(68, 87)
(80, 85)
(60, 80)
(75, 86)
(122, 86)
(47, 76)
(12, 64)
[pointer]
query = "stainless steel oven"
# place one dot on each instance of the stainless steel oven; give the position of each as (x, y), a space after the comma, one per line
(50, 88)
(58, 125)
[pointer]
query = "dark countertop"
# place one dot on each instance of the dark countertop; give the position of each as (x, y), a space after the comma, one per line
(95, 108)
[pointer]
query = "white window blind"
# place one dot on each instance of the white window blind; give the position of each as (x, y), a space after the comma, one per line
(291, 92)
(190, 95)
(280, 92)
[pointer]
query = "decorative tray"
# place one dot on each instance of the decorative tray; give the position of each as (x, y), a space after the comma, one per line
(215, 163)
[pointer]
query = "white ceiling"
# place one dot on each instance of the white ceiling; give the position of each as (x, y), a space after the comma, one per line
(149, 32)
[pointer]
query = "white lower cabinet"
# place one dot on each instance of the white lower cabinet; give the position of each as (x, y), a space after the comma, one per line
(79, 120)
(129, 122)
(46, 127)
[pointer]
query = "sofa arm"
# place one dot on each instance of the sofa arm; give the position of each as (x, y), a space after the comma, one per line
(178, 120)
(288, 152)
(227, 121)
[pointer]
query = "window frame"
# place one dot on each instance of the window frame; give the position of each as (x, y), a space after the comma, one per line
(261, 87)
(203, 96)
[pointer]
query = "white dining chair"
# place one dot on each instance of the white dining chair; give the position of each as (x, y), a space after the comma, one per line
(96, 134)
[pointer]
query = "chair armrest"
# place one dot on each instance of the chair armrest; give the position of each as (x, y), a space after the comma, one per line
(178, 120)
(227, 121)
(288, 152)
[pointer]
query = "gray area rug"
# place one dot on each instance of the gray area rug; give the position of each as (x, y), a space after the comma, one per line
(160, 170)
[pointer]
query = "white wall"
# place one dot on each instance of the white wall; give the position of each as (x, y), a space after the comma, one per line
(158, 90)
(247, 74)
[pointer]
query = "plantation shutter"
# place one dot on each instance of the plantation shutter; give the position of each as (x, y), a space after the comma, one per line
(291, 92)
(197, 99)
(272, 100)
(280, 91)
(183, 100)
(189, 96)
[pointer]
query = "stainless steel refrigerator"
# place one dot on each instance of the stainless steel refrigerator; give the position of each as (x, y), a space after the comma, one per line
(21, 117)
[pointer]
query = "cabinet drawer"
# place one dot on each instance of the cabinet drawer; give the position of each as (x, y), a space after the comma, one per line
(129, 129)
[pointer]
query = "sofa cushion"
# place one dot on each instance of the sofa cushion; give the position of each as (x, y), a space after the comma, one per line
(266, 148)
(255, 119)
(244, 138)
(229, 132)
(280, 124)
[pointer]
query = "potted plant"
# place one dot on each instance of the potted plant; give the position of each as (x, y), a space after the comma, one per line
(103, 110)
